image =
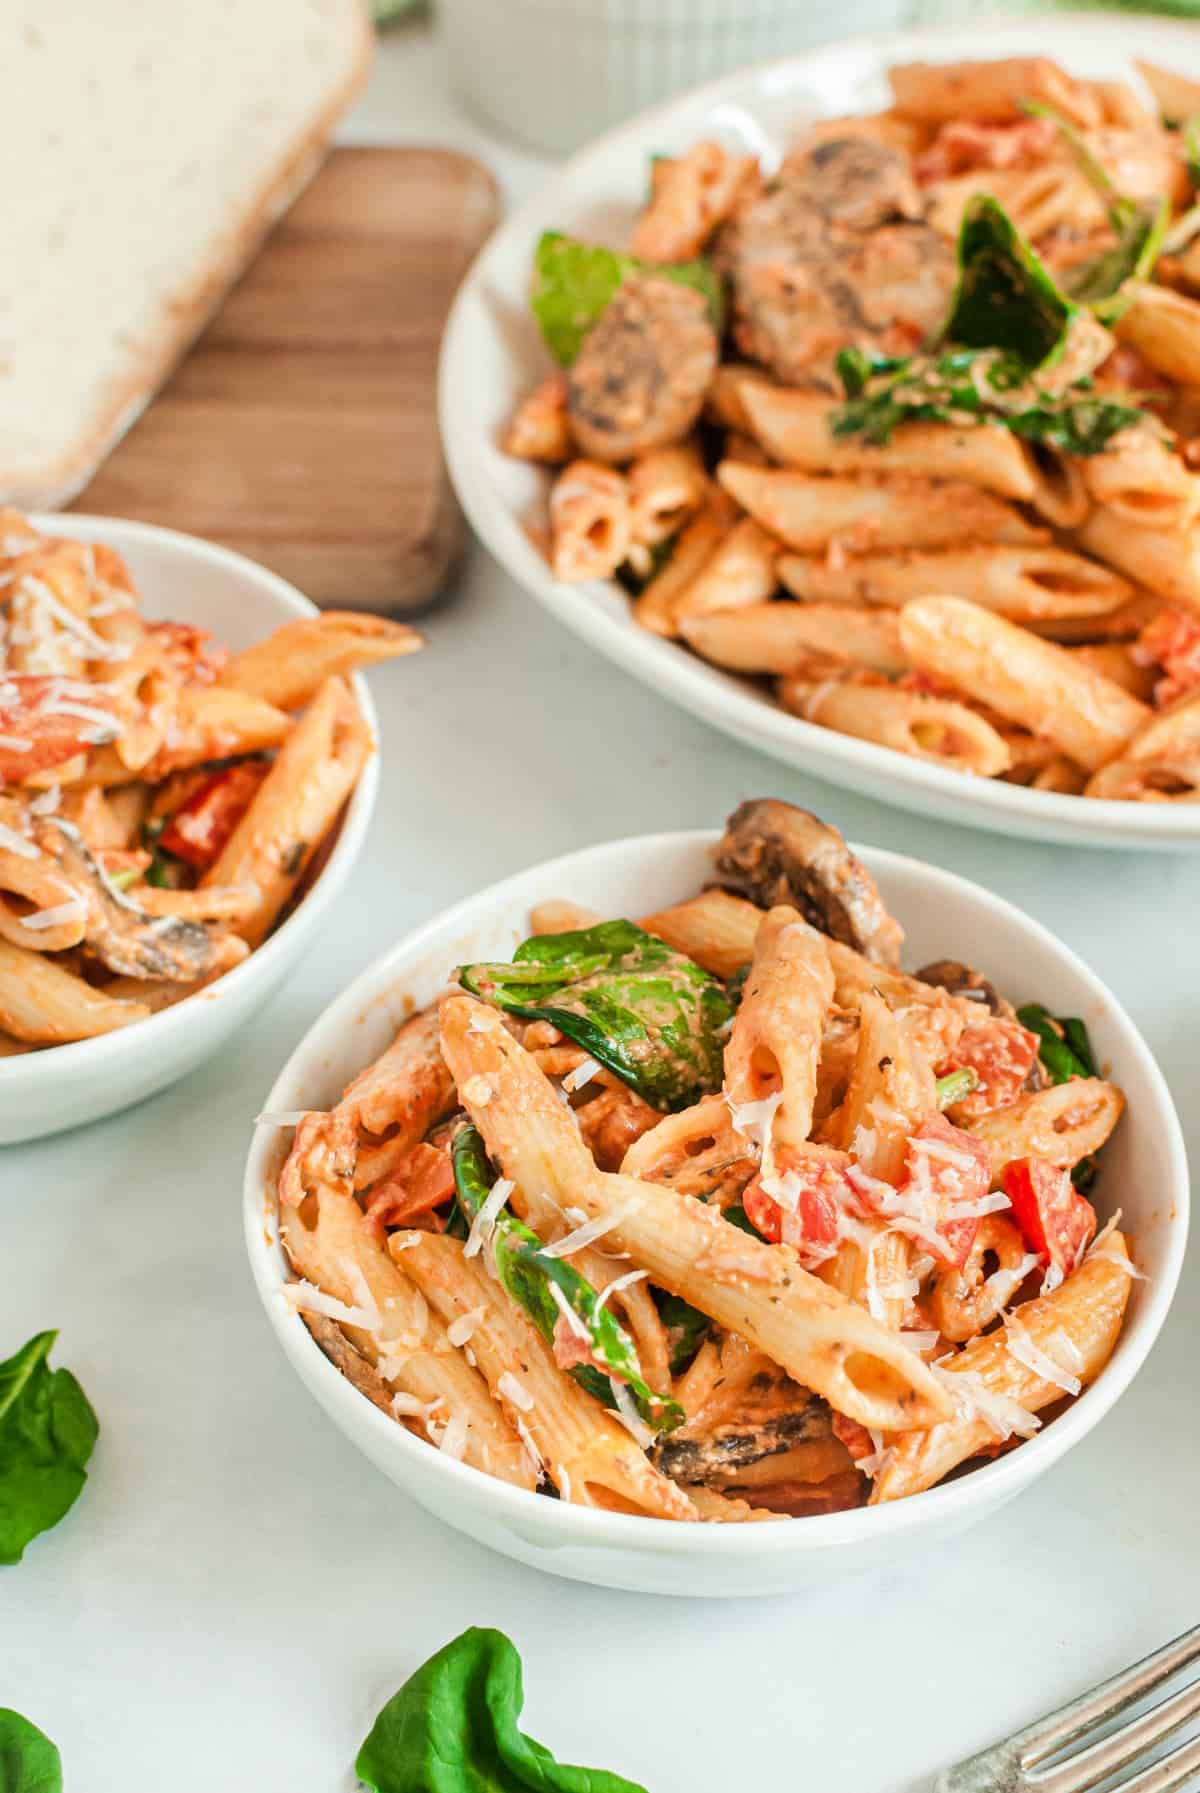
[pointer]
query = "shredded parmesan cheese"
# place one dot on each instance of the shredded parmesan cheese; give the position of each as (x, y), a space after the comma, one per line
(513, 1389)
(568, 1313)
(1003, 1284)
(583, 1073)
(976, 1401)
(453, 1441)
(615, 1287)
(628, 1414)
(16, 843)
(752, 1120)
(460, 1330)
(48, 802)
(484, 1223)
(1021, 1345)
(406, 1406)
(74, 909)
(16, 744)
(582, 1235)
(309, 1299)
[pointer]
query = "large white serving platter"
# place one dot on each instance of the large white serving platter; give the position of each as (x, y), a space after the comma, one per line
(492, 354)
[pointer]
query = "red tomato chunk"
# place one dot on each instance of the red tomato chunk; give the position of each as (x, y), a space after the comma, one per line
(1056, 1222)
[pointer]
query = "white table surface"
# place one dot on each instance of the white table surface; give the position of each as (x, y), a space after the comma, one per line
(237, 1591)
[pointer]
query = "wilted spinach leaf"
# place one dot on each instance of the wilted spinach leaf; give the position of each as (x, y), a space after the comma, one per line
(529, 1275)
(646, 1012)
(1064, 1047)
(47, 1431)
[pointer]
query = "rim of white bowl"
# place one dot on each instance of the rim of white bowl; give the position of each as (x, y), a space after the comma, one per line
(79, 1055)
(564, 1523)
(681, 675)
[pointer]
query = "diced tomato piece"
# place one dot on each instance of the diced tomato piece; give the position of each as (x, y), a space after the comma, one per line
(821, 1191)
(856, 1438)
(946, 1170)
(201, 827)
(422, 1181)
(1172, 641)
(1001, 1053)
(1056, 1222)
(29, 713)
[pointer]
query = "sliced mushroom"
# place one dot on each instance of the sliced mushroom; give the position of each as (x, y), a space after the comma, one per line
(773, 852)
(774, 1415)
(118, 933)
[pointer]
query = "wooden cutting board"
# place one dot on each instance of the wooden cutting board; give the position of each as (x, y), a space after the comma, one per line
(301, 429)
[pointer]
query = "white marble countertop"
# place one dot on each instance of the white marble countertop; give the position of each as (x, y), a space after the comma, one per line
(238, 1591)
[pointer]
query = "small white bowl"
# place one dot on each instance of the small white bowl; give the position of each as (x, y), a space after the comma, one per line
(182, 579)
(1145, 1170)
(492, 355)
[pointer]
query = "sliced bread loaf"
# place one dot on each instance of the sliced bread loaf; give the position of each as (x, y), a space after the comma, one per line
(147, 149)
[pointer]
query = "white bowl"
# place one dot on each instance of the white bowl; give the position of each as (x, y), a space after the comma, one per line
(492, 355)
(1144, 1169)
(181, 578)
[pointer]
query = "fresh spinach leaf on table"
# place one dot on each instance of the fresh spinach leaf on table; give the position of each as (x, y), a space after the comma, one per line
(452, 1728)
(29, 1762)
(47, 1432)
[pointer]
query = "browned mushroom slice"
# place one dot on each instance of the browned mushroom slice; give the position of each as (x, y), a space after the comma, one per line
(118, 933)
(639, 380)
(773, 852)
(770, 1416)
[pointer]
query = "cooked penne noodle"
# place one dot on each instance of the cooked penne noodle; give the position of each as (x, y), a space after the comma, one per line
(698, 541)
(1164, 328)
(1063, 1124)
(295, 806)
(1060, 491)
(1081, 1320)
(587, 1453)
(716, 929)
(740, 572)
(1175, 95)
(231, 903)
(1023, 584)
(1166, 561)
(1031, 682)
(157, 994)
(781, 637)
(891, 1092)
(930, 728)
(559, 917)
(1162, 761)
(1139, 480)
(540, 429)
(775, 1042)
(809, 513)
(795, 429)
(962, 1300)
(1115, 661)
(288, 667)
(43, 1004)
(1055, 197)
(691, 194)
(665, 487)
(939, 93)
(213, 722)
(1122, 624)
(825, 1342)
(591, 528)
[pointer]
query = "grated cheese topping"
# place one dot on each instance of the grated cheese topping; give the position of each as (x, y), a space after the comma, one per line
(74, 909)
(453, 1439)
(513, 1389)
(484, 1223)
(582, 1235)
(976, 1401)
(583, 1073)
(461, 1329)
(578, 1327)
(1021, 1345)
(752, 1120)
(16, 843)
(627, 1413)
(614, 1288)
(309, 1299)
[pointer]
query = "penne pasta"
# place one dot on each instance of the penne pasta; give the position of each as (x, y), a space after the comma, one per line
(665, 487)
(1164, 328)
(655, 607)
(716, 929)
(809, 513)
(591, 527)
(782, 637)
(1166, 561)
(1080, 1321)
(760, 1291)
(939, 93)
(945, 732)
(691, 194)
(1034, 683)
(540, 429)
(1024, 584)
(43, 1004)
(795, 428)
(740, 572)
(775, 1043)
(1062, 1125)
(295, 806)
(1139, 480)
(288, 668)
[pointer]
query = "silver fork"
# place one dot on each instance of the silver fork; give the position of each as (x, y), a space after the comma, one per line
(1020, 1763)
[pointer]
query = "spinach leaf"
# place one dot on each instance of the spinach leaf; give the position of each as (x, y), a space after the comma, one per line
(47, 1431)
(1140, 238)
(646, 1012)
(955, 1085)
(737, 1216)
(574, 281)
(687, 1328)
(452, 1728)
(1005, 298)
(1065, 1049)
(967, 385)
(1191, 149)
(529, 1276)
(29, 1762)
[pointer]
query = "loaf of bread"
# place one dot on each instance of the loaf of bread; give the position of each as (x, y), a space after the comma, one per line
(147, 149)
